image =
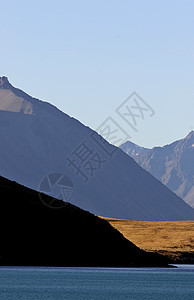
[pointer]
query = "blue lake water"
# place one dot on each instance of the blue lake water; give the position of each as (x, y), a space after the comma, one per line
(97, 283)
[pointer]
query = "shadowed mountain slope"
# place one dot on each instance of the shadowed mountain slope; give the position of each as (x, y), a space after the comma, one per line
(34, 234)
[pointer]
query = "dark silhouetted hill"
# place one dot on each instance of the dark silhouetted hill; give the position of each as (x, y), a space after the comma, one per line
(34, 234)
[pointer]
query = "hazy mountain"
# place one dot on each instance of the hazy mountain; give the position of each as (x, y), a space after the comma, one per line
(38, 140)
(133, 150)
(172, 164)
(33, 234)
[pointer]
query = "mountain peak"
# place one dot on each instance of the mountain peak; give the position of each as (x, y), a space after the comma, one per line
(4, 83)
(13, 99)
(191, 134)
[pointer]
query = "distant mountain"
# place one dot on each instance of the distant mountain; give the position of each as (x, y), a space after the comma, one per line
(34, 235)
(133, 150)
(39, 143)
(172, 164)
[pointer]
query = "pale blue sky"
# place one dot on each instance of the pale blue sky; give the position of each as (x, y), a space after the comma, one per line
(87, 57)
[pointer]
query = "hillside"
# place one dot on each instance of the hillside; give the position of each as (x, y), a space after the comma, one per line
(174, 239)
(38, 141)
(34, 234)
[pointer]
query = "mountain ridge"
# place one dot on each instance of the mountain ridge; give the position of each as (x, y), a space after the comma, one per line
(172, 165)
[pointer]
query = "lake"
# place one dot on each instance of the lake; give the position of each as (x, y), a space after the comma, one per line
(97, 283)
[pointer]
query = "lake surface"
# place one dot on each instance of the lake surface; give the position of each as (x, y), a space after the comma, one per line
(97, 283)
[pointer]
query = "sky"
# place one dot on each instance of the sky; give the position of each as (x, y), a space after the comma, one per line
(88, 57)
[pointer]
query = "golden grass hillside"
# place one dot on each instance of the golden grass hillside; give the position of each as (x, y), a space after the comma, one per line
(173, 238)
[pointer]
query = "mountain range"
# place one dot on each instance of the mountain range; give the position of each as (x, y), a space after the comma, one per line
(172, 164)
(45, 149)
